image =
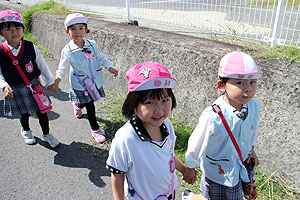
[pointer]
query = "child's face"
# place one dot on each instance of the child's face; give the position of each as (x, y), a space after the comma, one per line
(77, 32)
(153, 112)
(13, 35)
(239, 91)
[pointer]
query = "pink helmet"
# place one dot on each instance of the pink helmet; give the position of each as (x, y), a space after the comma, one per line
(238, 65)
(10, 16)
(149, 75)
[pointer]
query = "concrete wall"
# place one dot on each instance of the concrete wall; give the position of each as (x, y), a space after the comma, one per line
(194, 62)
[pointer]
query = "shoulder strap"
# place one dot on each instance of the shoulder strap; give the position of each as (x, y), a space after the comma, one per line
(6, 49)
(217, 109)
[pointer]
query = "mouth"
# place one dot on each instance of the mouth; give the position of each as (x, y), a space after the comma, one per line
(157, 118)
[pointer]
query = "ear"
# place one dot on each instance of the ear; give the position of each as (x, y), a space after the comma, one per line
(221, 85)
(67, 31)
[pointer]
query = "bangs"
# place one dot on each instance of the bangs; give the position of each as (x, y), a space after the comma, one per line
(155, 94)
(10, 24)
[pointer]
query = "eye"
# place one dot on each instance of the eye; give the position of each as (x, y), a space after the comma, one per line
(239, 82)
(149, 102)
(166, 99)
(253, 82)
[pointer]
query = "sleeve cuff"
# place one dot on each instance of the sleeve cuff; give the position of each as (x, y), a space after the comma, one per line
(114, 170)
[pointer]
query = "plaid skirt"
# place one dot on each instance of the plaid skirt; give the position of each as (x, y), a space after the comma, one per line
(78, 96)
(22, 102)
(214, 191)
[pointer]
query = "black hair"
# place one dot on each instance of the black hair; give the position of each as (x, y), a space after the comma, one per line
(224, 79)
(80, 23)
(133, 99)
(11, 24)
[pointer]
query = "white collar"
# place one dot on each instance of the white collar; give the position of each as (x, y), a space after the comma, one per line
(13, 50)
(73, 47)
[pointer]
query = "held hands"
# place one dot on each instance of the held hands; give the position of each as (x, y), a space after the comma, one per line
(254, 156)
(113, 71)
(8, 91)
(190, 175)
(54, 86)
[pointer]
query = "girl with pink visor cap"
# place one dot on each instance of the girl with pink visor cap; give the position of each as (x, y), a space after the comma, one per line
(141, 159)
(19, 100)
(222, 162)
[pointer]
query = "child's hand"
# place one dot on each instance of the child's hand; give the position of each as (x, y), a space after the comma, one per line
(8, 92)
(52, 88)
(55, 84)
(113, 71)
(254, 156)
(190, 175)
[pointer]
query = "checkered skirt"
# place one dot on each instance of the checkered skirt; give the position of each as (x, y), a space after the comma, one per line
(78, 96)
(215, 191)
(22, 102)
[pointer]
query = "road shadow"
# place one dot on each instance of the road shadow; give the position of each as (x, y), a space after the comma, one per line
(60, 95)
(81, 155)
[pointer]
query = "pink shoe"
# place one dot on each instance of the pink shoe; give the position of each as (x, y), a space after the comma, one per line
(98, 135)
(77, 111)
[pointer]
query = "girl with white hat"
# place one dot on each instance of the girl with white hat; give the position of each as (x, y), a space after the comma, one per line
(83, 59)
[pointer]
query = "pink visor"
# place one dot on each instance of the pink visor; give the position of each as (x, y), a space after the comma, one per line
(148, 76)
(238, 65)
(10, 16)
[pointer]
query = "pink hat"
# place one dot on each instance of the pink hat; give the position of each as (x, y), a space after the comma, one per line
(10, 16)
(149, 75)
(238, 65)
(75, 18)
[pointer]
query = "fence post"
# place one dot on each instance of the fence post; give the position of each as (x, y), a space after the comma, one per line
(276, 22)
(128, 10)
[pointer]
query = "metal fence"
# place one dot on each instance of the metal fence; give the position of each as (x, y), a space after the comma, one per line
(272, 21)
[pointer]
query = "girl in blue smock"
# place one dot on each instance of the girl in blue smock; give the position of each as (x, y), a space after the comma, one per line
(83, 59)
(210, 146)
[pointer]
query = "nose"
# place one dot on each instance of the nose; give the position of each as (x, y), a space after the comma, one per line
(157, 107)
(247, 88)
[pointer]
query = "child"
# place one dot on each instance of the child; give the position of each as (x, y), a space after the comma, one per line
(142, 151)
(210, 145)
(83, 59)
(18, 97)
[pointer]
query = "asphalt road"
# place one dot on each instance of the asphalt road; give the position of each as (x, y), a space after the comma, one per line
(74, 170)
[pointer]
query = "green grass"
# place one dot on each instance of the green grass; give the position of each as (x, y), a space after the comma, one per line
(265, 3)
(270, 185)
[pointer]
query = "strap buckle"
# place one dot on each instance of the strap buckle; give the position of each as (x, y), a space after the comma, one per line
(216, 108)
(15, 62)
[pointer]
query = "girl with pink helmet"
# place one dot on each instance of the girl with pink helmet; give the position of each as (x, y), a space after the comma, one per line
(141, 159)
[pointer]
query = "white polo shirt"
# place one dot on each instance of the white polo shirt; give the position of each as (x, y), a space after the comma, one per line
(146, 163)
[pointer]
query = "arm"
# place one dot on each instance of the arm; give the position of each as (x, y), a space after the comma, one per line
(189, 175)
(198, 141)
(62, 71)
(43, 67)
(117, 182)
(102, 59)
(3, 83)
